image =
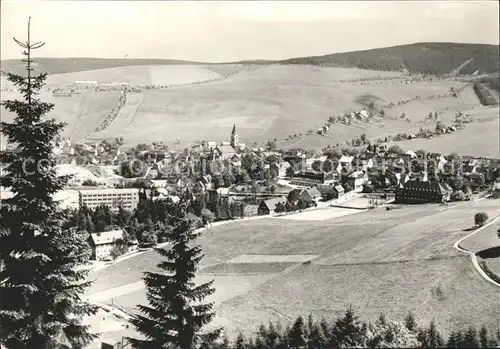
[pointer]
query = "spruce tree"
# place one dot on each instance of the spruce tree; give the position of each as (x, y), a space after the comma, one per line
(347, 331)
(470, 338)
(483, 337)
(240, 341)
(297, 335)
(40, 286)
(273, 337)
(176, 315)
(410, 322)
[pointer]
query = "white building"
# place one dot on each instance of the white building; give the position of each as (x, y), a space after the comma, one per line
(86, 83)
(113, 198)
(103, 243)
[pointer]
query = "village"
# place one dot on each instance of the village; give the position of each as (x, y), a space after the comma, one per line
(249, 175)
(257, 181)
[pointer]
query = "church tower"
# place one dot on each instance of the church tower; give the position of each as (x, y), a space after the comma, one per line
(234, 137)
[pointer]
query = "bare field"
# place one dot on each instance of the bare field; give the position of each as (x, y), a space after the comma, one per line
(227, 287)
(479, 138)
(265, 102)
(139, 75)
(447, 290)
(319, 214)
(125, 117)
(269, 102)
(82, 113)
(247, 268)
(270, 258)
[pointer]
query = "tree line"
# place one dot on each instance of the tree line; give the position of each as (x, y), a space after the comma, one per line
(349, 332)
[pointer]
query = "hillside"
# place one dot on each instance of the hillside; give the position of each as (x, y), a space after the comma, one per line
(266, 103)
(426, 58)
(279, 268)
(278, 101)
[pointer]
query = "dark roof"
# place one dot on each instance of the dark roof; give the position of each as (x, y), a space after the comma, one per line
(429, 186)
(315, 175)
(468, 168)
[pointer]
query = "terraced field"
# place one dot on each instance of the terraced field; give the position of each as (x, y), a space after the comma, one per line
(274, 102)
(265, 102)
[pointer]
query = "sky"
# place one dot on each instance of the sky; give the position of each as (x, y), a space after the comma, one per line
(222, 31)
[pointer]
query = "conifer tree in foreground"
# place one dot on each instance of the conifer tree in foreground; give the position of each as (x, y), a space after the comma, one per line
(40, 288)
(176, 313)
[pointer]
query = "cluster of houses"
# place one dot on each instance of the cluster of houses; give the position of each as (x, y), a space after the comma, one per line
(336, 174)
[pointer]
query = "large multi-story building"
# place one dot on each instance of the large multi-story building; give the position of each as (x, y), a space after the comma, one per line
(413, 192)
(113, 198)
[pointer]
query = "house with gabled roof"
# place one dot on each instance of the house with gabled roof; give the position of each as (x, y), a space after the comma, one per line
(103, 243)
(357, 179)
(310, 194)
(269, 206)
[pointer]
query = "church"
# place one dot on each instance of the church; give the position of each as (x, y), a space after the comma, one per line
(225, 150)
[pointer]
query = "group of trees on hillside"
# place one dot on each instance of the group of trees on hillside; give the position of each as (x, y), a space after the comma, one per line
(420, 58)
(148, 222)
(349, 332)
(485, 95)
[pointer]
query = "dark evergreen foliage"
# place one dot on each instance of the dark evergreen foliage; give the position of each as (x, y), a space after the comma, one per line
(40, 286)
(176, 315)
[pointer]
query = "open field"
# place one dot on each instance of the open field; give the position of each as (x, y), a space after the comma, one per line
(391, 261)
(82, 113)
(416, 111)
(265, 102)
(446, 290)
(125, 117)
(269, 102)
(139, 75)
(486, 245)
(479, 138)
(319, 214)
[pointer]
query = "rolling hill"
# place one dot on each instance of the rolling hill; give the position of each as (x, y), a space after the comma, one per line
(72, 65)
(427, 58)
(379, 261)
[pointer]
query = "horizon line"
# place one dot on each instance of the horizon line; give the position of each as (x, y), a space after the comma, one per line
(257, 59)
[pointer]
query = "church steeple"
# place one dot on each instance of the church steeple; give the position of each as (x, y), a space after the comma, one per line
(234, 137)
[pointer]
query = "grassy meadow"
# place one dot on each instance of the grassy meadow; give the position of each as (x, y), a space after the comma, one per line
(380, 261)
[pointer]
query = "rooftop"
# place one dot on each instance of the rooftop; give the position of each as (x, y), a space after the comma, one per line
(109, 191)
(271, 203)
(107, 237)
